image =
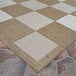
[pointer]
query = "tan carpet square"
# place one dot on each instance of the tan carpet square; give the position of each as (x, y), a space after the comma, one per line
(48, 2)
(58, 33)
(16, 10)
(52, 13)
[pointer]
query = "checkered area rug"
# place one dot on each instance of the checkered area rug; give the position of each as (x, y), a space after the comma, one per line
(37, 30)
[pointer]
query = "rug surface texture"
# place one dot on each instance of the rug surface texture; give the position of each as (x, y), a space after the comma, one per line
(37, 30)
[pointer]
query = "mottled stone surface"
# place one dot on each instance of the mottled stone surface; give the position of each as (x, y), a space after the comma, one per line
(72, 50)
(2, 45)
(63, 65)
(66, 67)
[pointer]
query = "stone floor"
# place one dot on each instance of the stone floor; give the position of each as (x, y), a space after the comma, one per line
(63, 65)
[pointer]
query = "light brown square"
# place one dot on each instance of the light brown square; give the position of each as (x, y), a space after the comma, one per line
(16, 10)
(52, 13)
(19, 1)
(58, 33)
(71, 2)
(74, 13)
(48, 2)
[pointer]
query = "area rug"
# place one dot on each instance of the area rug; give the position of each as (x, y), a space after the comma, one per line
(37, 30)
(63, 65)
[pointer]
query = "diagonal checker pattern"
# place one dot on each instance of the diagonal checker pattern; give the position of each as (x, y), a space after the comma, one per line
(37, 29)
